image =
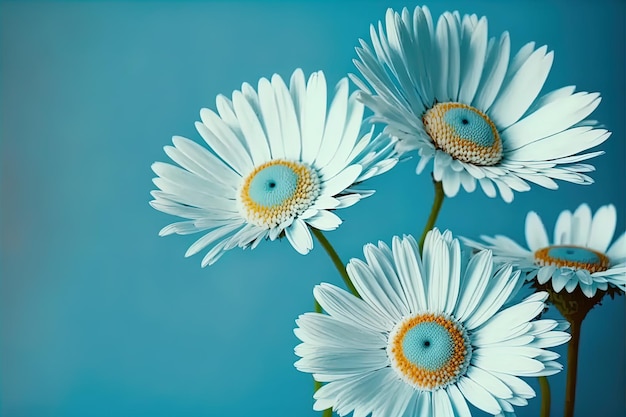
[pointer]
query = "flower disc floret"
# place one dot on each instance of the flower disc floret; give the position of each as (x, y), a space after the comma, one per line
(429, 351)
(278, 191)
(571, 256)
(464, 132)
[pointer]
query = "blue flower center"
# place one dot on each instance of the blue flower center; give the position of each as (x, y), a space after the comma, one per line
(274, 185)
(573, 254)
(463, 132)
(277, 192)
(470, 126)
(428, 345)
(575, 257)
(429, 351)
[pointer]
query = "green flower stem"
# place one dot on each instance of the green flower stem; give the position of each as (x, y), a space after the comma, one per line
(316, 385)
(572, 366)
(336, 260)
(434, 212)
(329, 411)
(545, 396)
(346, 279)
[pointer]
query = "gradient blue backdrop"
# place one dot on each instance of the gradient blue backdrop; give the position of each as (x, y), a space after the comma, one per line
(101, 317)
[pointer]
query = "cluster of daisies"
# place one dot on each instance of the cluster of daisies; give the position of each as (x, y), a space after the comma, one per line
(429, 330)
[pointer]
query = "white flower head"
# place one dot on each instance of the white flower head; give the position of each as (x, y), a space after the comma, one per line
(282, 159)
(453, 94)
(429, 335)
(580, 253)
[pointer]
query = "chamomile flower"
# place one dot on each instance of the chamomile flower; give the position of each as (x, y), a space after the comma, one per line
(281, 160)
(429, 335)
(451, 93)
(580, 253)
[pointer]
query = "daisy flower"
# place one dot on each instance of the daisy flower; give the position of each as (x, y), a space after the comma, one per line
(281, 159)
(453, 94)
(428, 336)
(580, 255)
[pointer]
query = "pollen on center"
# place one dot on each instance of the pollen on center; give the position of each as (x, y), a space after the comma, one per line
(574, 257)
(429, 351)
(464, 132)
(277, 191)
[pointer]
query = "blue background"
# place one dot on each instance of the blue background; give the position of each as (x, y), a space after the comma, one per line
(101, 317)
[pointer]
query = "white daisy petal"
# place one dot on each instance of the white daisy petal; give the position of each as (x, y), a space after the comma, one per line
(496, 294)
(454, 283)
(322, 330)
(454, 54)
(406, 258)
(474, 51)
(380, 261)
(542, 123)
(474, 283)
(459, 405)
(262, 177)
(494, 72)
(201, 168)
(288, 119)
(342, 180)
(581, 224)
(299, 236)
(251, 129)
(560, 145)
(618, 249)
(211, 237)
(478, 396)
(313, 113)
(236, 156)
(437, 267)
(297, 90)
(536, 235)
(516, 385)
(562, 229)
(487, 187)
(516, 365)
(343, 110)
(489, 382)
(602, 228)
(372, 289)
(343, 306)
(324, 220)
(441, 404)
(269, 110)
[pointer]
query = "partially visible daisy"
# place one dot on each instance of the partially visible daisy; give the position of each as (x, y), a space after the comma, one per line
(428, 336)
(453, 94)
(281, 160)
(580, 253)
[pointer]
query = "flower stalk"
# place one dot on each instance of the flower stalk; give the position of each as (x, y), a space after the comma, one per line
(544, 385)
(572, 367)
(434, 212)
(330, 250)
(574, 307)
(336, 260)
(329, 411)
